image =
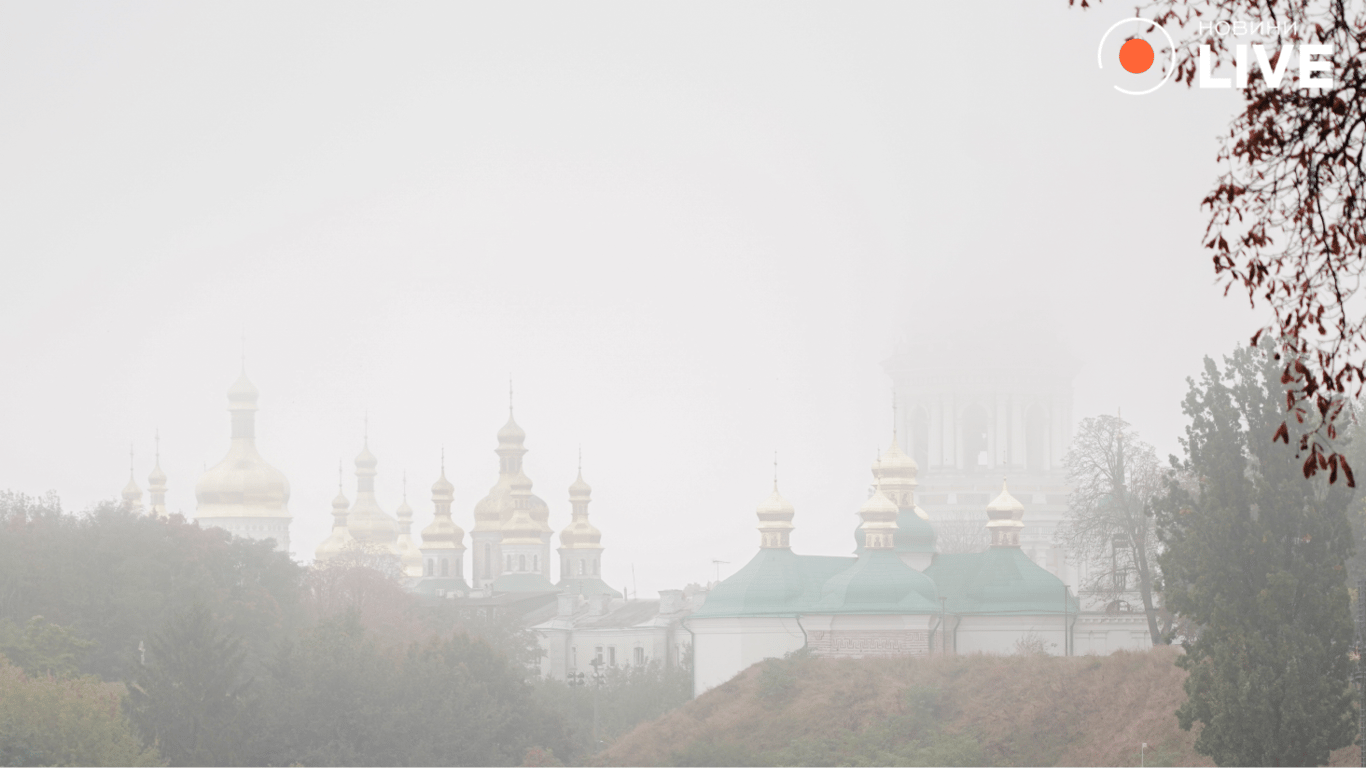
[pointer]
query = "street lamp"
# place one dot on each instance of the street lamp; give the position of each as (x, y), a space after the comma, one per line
(596, 664)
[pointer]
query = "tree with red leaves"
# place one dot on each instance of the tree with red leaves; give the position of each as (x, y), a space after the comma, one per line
(1287, 218)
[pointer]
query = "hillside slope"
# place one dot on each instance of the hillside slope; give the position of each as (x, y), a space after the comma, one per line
(965, 710)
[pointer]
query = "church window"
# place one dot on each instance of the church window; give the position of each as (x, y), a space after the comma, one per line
(639, 659)
(597, 654)
(521, 562)
(611, 655)
(445, 567)
(583, 567)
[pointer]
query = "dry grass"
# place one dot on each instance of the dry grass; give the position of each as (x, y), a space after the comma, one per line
(1032, 710)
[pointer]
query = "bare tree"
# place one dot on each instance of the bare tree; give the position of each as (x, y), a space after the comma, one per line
(1114, 476)
(961, 534)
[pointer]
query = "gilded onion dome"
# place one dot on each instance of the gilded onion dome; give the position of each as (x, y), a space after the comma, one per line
(408, 555)
(495, 510)
(369, 524)
(1006, 514)
(156, 484)
(340, 538)
(520, 527)
(879, 521)
(242, 485)
(775, 520)
(132, 494)
(896, 472)
(443, 533)
(580, 534)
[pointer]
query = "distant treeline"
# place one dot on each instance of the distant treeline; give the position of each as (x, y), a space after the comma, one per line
(232, 654)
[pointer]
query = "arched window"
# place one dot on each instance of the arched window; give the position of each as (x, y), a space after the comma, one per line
(521, 563)
(583, 567)
(445, 567)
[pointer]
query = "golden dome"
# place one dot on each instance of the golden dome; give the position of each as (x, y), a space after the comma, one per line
(408, 554)
(242, 394)
(340, 538)
(511, 434)
(1005, 505)
(132, 493)
(242, 485)
(521, 529)
(775, 520)
(443, 533)
(580, 534)
(579, 489)
(368, 522)
(494, 511)
(895, 463)
(879, 521)
(442, 490)
(1006, 513)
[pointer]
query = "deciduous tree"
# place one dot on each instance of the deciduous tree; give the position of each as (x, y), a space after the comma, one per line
(1114, 477)
(1253, 555)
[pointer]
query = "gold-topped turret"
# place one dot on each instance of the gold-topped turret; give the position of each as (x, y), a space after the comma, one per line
(340, 538)
(156, 484)
(879, 520)
(1006, 514)
(775, 518)
(242, 493)
(408, 555)
(132, 494)
(368, 522)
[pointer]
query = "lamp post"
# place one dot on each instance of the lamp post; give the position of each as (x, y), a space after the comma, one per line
(596, 663)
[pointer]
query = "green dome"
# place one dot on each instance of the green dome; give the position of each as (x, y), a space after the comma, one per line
(913, 532)
(879, 582)
(1001, 580)
(775, 582)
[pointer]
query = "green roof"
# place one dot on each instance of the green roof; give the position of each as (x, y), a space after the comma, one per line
(588, 587)
(430, 584)
(1000, 581)
(522, 582)
(775, 582)
(879, 582)
(913, 532)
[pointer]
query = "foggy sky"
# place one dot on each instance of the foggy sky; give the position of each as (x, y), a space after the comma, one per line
(690, 233)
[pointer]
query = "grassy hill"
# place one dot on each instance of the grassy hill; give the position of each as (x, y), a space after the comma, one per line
(964, 710)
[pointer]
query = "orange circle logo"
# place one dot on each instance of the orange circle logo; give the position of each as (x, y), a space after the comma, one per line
(1136, 56)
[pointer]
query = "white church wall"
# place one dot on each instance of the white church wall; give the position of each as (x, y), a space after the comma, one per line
(1005, 635)
(855, 637)
(724, 647)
